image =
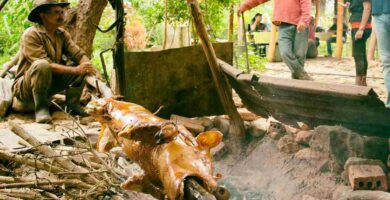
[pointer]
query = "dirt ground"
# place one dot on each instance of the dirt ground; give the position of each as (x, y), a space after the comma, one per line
(332, 70)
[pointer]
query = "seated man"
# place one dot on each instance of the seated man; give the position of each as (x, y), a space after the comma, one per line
(313, 43)
(256, 25)
(41, 71)
(331, 40)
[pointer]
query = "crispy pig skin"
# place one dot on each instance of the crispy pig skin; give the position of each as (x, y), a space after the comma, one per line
(166, 165)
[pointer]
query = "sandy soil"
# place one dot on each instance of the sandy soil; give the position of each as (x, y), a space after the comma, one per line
(331, 70)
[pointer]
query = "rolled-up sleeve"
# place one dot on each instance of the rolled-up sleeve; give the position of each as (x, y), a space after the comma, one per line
(32, 47)
(305, 11)
(71, 49)
(249, 4)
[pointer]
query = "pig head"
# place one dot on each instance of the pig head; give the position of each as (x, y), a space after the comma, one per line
(166, 151)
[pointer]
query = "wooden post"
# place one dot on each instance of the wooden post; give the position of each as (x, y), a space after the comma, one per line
(220, 81)
(231, 23)
(165, 25)
(272, 44)
(317, 11)
(340, 26)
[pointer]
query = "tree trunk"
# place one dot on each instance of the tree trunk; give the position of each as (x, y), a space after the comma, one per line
(80, 22)
(231, 23)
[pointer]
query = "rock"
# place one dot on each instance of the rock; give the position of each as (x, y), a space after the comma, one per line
(346, 193)
(59, 115)
(258, 128)
(309, 154)
(275, 129)
(341, 144)
(87, 120)
(304, 126)
(222, 124)
(367, 177)
(304, 137)
(308, 197)
(287, 144)
(246, 115)
(206, 122)
(275, 135)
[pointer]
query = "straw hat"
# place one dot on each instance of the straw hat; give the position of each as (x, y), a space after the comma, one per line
(38, 4)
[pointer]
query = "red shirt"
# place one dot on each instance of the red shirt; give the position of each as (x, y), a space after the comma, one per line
(287, 11)
(312, 32)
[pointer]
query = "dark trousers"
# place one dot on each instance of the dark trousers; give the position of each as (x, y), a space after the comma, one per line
(359, 51)
(41, 79)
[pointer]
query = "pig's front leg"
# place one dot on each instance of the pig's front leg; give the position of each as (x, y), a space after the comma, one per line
(134, 183)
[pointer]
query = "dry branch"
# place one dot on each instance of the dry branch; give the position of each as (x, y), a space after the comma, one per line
(48, 151)
(220, 81)
(21, 193)
(30, 162)
(37, 182)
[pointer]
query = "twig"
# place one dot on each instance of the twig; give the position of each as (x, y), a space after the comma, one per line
(81, 173)
(48, 151)
(36, 183)
(30, 162)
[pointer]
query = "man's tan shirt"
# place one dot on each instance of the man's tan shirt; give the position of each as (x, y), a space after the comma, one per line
(36, 45)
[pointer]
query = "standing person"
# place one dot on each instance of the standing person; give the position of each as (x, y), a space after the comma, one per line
(293, 18)
(41, 68)
(381, 13)
(361, 30)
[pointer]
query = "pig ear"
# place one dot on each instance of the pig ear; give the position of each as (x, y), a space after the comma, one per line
(209, 139)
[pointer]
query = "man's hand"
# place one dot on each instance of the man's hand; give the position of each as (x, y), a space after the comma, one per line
(85, 68)
(301, 27)
(239, 12)
(359, 34)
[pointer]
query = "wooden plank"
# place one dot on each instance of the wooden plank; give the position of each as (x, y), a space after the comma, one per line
(39, 131)
(292, 101)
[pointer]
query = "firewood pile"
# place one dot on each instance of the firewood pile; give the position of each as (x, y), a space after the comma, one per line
(61, 171)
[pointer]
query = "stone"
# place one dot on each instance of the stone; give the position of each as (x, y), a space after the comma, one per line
(87, 120)
(308, 197)
(346, 193)
(258, 128)
(206, 122)
(222, 124)
(59, 115)
(304, 137)
(341, 144)
(287, 144)
(367, 177)
(309, 154)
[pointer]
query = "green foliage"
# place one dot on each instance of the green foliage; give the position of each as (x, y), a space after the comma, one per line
(153, 12)
(256, 62)
(13, 21)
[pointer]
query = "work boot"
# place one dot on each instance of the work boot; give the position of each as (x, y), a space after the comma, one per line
(303, 75)
(361, 80)
(42, 114)
(364, 80)
(73, 95)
